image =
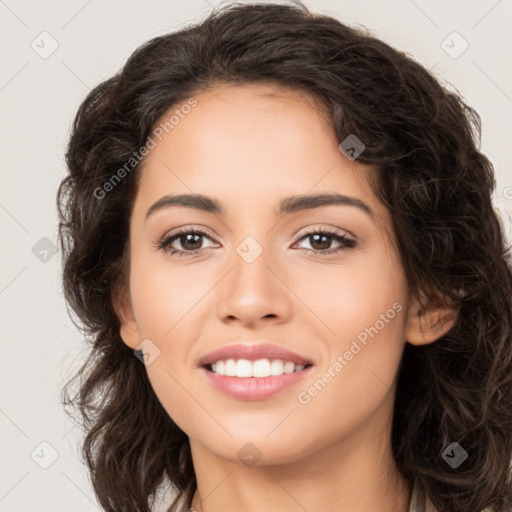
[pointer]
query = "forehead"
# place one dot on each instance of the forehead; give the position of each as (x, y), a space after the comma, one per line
(245, 141)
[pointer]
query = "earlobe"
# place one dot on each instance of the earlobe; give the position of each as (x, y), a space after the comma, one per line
(130, 334)
(427, 324)
(128, 330)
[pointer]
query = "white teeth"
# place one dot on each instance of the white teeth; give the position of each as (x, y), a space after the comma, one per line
(230, 368)
(261, 368)
(258, 368)
(243, 368)
(277, 367)
(289, 367)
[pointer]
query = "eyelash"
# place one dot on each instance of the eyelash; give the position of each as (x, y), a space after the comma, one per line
(347, 243)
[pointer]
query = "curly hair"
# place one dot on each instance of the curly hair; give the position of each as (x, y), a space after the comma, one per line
(432, 176)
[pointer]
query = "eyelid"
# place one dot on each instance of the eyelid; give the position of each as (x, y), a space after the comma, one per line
(185, 228)
(325, 227)
(298, 234)
(165, 241)
(162, 242)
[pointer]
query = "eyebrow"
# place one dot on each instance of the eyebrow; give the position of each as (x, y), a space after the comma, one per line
(287, 205)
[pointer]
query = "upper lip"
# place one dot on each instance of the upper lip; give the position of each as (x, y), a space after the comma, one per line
(252, 352)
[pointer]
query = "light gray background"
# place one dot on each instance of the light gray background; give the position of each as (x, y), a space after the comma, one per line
(38, 99)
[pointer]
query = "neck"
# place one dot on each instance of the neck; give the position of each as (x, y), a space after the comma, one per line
(355, 475)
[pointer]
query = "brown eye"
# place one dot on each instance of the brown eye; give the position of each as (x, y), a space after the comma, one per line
(320, 242)
(189, 242)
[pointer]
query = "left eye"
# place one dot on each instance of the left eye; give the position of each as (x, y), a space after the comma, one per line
(320, 237)
(188, 240)
(191, 241)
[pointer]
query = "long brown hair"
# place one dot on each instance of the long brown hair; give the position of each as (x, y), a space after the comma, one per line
(432, 177)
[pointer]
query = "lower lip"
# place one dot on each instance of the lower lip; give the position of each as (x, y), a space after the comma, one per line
(254, 388)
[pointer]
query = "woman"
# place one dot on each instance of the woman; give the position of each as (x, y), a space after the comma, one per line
(290, 225)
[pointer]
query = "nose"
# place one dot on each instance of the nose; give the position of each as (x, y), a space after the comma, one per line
(254, 290)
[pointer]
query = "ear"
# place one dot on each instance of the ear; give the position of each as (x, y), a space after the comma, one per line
(426, 324)
(128, 331)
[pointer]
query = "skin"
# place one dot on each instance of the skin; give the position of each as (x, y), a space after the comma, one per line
(248, 147)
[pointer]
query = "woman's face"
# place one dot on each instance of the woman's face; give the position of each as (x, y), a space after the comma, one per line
(338, 300)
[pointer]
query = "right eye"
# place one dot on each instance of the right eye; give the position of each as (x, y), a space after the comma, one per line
(186, 237)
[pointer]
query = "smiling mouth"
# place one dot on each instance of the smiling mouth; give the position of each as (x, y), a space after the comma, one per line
(258, 368)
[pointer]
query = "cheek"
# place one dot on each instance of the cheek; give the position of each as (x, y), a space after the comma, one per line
(172, 388)
(166, 301)
(164, 294)
(374, 321)
(351, 295)
(360, 374)
(364, 307)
